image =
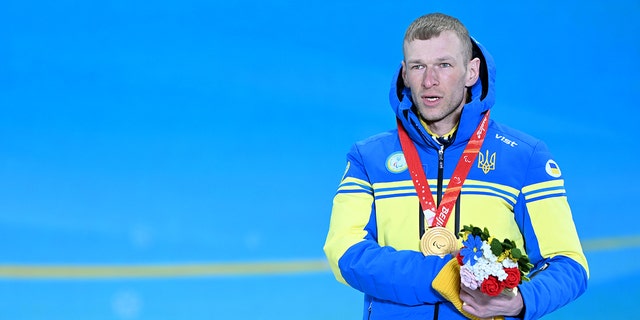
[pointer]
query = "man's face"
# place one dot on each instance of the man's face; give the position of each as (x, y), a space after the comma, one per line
(437, 73)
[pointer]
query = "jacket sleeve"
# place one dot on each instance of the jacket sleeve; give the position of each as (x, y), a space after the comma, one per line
(551, 239)
(356, 258)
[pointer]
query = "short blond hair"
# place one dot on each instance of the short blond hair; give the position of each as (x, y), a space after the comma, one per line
(432, 24)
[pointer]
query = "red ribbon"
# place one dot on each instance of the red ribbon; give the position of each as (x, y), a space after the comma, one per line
(439, 217)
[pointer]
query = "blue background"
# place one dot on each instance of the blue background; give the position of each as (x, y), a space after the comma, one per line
(187, 132)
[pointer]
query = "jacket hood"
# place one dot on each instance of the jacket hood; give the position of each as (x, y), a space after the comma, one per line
(482, 99)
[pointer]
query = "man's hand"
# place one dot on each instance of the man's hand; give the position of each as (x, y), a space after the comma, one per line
(483, 306)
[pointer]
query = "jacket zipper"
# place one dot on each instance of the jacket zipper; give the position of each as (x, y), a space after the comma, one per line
(370, 307)
(436, 311)
(440, 173)
(421, 226)
(440, 187)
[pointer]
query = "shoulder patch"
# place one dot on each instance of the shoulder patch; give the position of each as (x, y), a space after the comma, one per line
(396, 162)
(553, 169)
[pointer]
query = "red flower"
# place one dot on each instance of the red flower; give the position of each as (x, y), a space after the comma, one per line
(459, 257)
(513, 277)
(491, 286)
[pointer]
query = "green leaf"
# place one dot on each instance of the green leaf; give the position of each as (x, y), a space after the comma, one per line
(486, 235)
(496, 247)
(516, 253)
(510, 244)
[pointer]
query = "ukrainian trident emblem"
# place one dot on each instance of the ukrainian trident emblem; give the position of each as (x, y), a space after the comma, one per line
(486, 162)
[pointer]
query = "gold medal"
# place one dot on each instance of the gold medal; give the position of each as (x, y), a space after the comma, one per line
(438, 241)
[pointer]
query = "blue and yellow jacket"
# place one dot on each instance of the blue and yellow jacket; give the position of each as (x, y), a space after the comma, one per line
(514, 188)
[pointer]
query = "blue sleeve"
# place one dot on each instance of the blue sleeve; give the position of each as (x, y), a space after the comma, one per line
(402, 277)
(551, 239)
(356, 258)
(563, 281)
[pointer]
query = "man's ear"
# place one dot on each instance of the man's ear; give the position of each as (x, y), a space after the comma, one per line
(473, 72)
(404, 75)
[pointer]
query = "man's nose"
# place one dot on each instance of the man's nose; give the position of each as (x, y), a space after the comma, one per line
(430, 78)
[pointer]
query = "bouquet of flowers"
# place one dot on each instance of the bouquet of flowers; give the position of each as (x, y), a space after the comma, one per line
(492, 265)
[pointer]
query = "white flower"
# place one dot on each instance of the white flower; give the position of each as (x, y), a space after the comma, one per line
(488, 265)
(508, 263)
(500, 274)
(485, 268)
(486, 252)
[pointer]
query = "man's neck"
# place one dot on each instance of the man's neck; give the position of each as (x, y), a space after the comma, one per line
(439, 131)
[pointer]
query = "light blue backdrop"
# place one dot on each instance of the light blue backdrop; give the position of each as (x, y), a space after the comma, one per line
(155, 133)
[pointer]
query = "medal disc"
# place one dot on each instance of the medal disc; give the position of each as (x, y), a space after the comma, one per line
(438, 241)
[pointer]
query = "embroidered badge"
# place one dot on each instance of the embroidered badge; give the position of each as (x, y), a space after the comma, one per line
(396, 162)
(553, 169)
(486, 162)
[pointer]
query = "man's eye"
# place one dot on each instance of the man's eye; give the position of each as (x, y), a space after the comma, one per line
(417, 67)
(445, 65)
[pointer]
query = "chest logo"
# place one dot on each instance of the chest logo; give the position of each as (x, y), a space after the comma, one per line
(486, 162)
(506, 140)
(396, 162)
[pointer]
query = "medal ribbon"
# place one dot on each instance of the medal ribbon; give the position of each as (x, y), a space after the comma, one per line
(439, 217)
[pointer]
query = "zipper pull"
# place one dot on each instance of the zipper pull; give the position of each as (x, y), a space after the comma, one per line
(544, 267)
(441, 157)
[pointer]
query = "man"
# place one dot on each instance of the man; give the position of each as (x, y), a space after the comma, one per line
(509, 183)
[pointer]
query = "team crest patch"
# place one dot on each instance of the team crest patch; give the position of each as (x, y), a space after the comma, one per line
(486, 162)
(396, 162)
(553, 169)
